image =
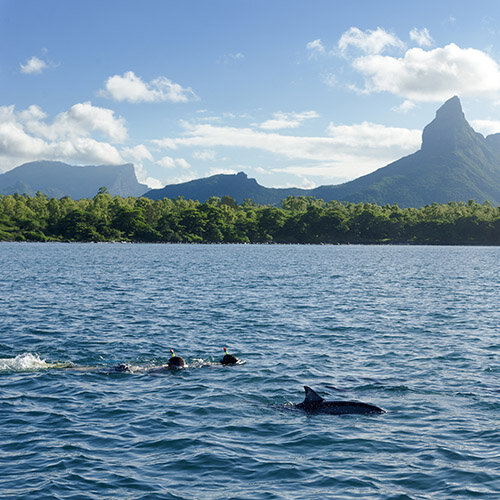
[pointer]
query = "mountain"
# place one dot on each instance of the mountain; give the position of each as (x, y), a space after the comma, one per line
(57, 179)
(238, 186)
(455, 163)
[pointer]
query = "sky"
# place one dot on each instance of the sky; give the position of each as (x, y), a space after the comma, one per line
(293, 93)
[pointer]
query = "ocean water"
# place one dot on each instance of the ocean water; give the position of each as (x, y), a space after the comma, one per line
(415, 330)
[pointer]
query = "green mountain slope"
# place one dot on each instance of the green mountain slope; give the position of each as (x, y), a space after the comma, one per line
(455, 163)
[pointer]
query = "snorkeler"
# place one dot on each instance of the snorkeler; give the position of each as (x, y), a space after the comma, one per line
(228, 359)
(175, 361)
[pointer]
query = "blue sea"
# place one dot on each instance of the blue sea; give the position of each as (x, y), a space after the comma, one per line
(414, 330)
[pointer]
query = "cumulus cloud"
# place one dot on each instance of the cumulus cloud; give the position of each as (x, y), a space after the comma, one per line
(349, 149)
(26, 135)
(130, 87)
(369, 41)
(82, 119)
(287, 120)
(169, 162)
(421, 37)
(431, 75)
(33, 66)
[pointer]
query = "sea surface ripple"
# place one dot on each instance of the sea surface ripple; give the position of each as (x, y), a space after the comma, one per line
(414, 330)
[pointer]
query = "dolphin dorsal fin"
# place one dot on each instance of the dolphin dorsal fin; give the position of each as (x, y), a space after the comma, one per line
(311, 396)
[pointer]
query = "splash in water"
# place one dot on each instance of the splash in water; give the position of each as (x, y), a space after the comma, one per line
(28, 361)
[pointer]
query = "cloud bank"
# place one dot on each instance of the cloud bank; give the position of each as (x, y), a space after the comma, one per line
(26, 135)
(416, 74)
(432, 75)
(346, 150)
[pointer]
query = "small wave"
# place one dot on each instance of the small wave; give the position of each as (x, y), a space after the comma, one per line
(23, 362)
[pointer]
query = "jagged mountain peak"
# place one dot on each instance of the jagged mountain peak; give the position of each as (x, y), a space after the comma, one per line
(451, 109)
(449, 130)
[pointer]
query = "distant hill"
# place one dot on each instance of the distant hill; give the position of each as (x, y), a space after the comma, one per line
(57, 179)
(455, 163)
(238, 186)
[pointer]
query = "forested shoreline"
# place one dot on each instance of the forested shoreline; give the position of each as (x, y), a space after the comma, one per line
(298, 220)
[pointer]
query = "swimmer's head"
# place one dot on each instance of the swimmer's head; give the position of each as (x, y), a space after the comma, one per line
(176, 361)
(121, 368)
(228, 359)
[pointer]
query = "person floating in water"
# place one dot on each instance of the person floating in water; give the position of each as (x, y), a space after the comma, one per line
(228, 359)
(174, 363)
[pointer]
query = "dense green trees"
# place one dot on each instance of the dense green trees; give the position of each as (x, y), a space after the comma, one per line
(298, 220)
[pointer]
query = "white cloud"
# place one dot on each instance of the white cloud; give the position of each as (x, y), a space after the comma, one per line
(287, 120)
(137, 153)
(151, 182)
(168, 162)
(404, 107)
(373, 135)
(350, 150)
(432, 75)
(369, 41)
(486, 127)
(33, 66)
(33, 112)
(144, 178)
(26, 136)
(421, 37)
(82, 119)
(316, 47)
(132, 88)
(182, 163)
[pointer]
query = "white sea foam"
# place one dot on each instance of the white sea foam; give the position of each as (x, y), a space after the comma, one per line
(22, 362)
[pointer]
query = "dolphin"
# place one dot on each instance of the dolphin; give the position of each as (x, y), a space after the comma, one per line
(314, 403)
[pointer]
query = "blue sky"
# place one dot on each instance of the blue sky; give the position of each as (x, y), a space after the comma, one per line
(294, 93)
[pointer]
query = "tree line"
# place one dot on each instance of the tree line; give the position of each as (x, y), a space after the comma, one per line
(222, 220)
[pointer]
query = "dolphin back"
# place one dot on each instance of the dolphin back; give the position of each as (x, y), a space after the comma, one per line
(314, 403)
(348, 407)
